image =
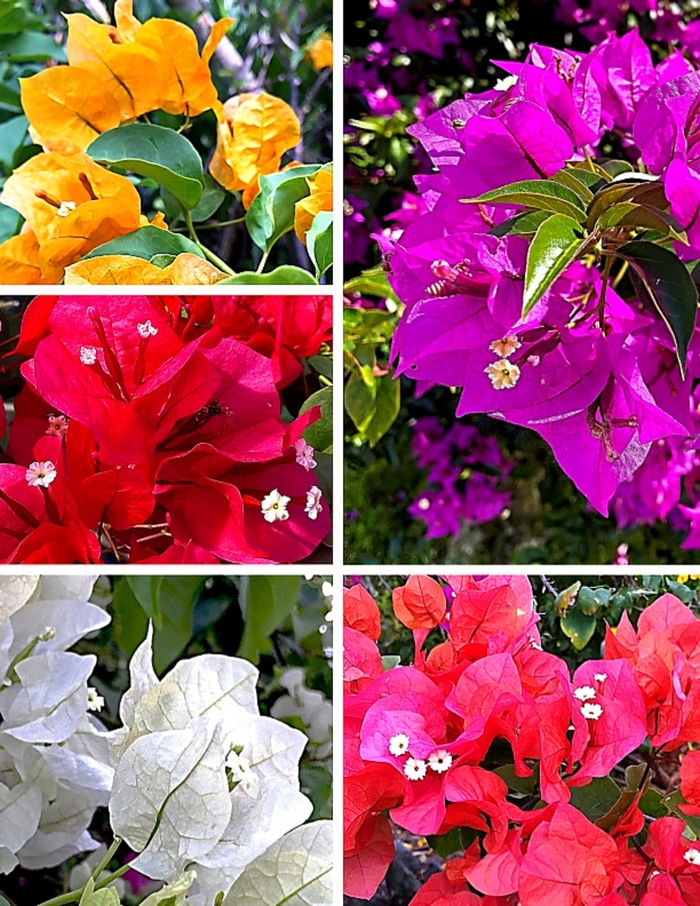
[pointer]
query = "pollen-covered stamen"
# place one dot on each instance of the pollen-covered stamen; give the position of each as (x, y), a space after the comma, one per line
(274, 507)
(592, 711)
(505, 347)
(585, 693)
(415, 768)
(692, 855)
(146, 330)
(440, 761)
(88, 355)
(600, 677)
(87, 185)
(40, 474)
(58, 426)
(503, 374)
(398, 744)
(49, 199)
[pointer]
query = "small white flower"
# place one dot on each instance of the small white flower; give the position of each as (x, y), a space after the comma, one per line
(440, 761)
(88, 355)
(506, 83)
(584, 693)
(591, 711)
(398, 745)
(415, 768)
(313, 502)
(503, 374)
(95, 702)
(40, 474)
(424, 504)
(274, 506)
(305, 454)
(505, 347)
(692, 855)
(239, 770)
(600, 677)
(65, 208)
(146, 329)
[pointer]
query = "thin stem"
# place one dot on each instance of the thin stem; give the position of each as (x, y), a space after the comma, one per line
(209, 254)
(108, 856)
(620, 274)
(221, 223)
(113, 877)
(603, 288)
(263, 262)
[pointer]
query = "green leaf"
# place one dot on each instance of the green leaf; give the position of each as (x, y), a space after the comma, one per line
(585, 175)
(13, 132)
(372, 282)
(30, 46)
(578, 627)
(572, 180)
(387, 405)
(130, 622)
(320, 434)
(284, 275)
(147, 242)
(521, 224)
(590, 600)
(319, 242)
(447, 844)
(169, 602)
(641, 217)
(108, 896)
(9, 99)
(359, 400)
(651, 194)
(540, 194)
(523, 785)
(659, 276)
(322, 364)
(271, 213)
(652, 805)
(317, 784)
(555, 246)
(691, 821)
(390, 661)
(597, 798)
(10, 222)
(617, 167)
(266, 602)
(155, 153)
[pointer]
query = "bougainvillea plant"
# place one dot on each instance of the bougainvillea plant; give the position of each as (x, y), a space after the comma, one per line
(549, 282)
(203, 789)
(536, 780)
(162, 429)
(114, 118)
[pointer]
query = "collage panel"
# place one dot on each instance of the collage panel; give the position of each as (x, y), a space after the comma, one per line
(166, 429)
(515, 740)
(165, 740)
(521, 200)
(166, 143)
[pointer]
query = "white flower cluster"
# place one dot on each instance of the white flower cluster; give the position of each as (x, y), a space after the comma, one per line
(202, 781)
(55, 767)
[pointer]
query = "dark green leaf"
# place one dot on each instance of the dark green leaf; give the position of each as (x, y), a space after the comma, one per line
(317, 784)
(572, 180)
(359, 400)
(617, 167)
(641, 217)
(590, 600)
(266, 602)
(320, 434)
(10, 222)
(555, 246)
(9, 99)
(156, 153)
(658, 274)
(522, 224)
(210, 202)
(454, 841)
(523, 785)
(322, 364)
(652, 805)
(691, 821)
(13, 132)
(319, 242)
(578, 627)
(540, 194)
(147, 242)
(271, 213)
(597, 798)
(284, 275)
(387, 406)
(130, 622)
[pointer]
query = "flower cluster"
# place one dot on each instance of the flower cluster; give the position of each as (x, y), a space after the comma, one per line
(594, 370)
(466, 469)
(429, 742)
(151, 428)
(93, 113)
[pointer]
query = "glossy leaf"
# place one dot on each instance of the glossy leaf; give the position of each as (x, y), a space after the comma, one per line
(284, 275)
(156, 153)
(525, 224)
(319, 242)
(148, 242)
(554, 247)
(572, 180)
(320, 434)
(271, 214)
(641, 217)
(540, 194)
(596, 798)
(660, 277)
(578, 627)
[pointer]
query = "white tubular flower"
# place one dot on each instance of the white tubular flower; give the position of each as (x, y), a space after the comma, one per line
(274, 506)
(398, 745)
(415, 768)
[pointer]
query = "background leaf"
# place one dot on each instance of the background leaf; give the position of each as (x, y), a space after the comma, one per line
(265, 601)
(320, 434)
